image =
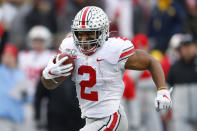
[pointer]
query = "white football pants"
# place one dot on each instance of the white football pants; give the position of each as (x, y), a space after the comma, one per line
(115, 122)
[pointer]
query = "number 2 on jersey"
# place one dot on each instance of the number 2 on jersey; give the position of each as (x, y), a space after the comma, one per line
(93, 96)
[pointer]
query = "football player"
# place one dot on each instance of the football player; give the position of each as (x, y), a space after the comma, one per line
(100, 62)
(32, 62)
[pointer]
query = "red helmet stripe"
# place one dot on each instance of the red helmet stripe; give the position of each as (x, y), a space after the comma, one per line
(84, 17)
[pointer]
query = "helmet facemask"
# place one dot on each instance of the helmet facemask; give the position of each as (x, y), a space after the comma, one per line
(94, 40)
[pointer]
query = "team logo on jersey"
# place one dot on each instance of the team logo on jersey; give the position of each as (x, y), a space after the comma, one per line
(71, 52)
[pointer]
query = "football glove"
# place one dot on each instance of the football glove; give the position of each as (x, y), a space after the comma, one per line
(54, 70)
(163, 100)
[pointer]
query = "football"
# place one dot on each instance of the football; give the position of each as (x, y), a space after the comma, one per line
(68, 61)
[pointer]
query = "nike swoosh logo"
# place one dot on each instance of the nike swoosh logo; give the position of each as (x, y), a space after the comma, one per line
(166, 97)
(99, 59)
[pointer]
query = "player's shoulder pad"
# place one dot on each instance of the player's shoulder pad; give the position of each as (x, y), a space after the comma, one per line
(67, 44)
(118, 48)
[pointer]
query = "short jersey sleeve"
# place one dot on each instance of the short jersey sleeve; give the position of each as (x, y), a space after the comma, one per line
(117, 49)
(126, 50)
(67, 45)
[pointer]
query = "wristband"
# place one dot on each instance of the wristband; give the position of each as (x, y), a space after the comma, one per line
(162, 88)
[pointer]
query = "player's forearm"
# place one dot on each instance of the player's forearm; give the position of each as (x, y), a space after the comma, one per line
(157, 73)
(49, 84)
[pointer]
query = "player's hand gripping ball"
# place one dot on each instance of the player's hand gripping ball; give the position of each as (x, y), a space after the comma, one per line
(69, 60)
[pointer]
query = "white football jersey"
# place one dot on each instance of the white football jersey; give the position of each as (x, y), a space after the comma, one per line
(98, 77)
(32, 63)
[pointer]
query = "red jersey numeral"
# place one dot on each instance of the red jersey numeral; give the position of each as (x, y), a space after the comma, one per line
(93, 96)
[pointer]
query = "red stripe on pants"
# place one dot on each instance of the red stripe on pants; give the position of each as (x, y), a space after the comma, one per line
(114, 122)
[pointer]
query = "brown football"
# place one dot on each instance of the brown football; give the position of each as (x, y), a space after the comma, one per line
(68, 61)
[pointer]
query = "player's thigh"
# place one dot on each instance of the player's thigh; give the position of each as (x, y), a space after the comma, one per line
(94, 125)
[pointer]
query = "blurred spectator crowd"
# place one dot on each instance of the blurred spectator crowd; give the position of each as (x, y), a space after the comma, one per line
(30, 34)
